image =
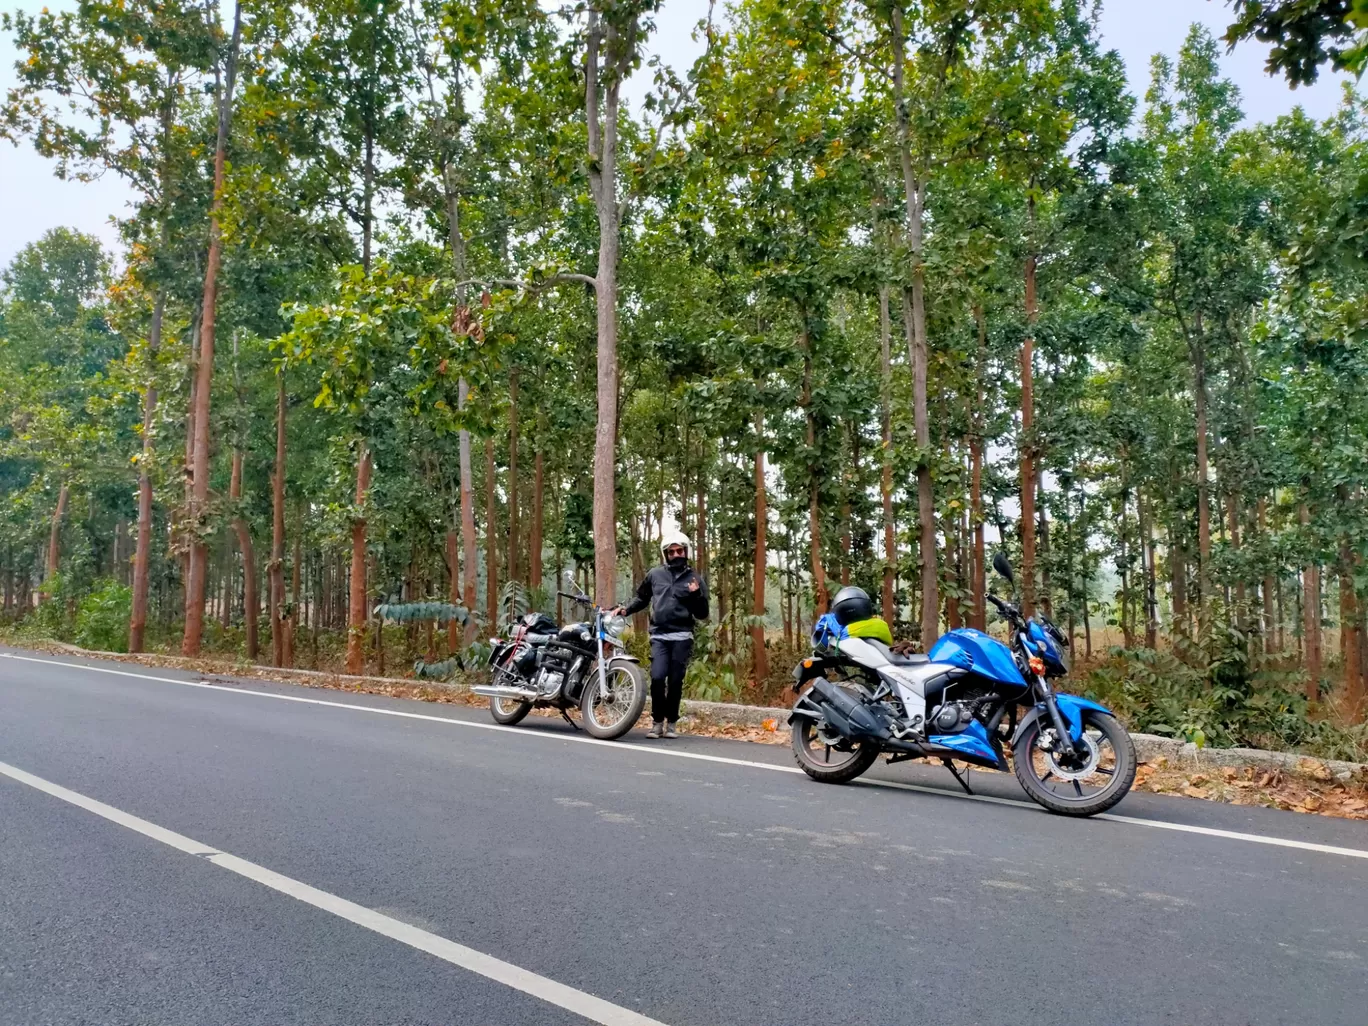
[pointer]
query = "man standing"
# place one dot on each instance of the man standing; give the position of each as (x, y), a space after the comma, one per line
(678, 597)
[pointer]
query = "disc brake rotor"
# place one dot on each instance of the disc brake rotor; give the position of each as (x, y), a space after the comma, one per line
(1091, 757)
(826, 734)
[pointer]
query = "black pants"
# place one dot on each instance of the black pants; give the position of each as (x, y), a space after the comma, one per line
(669, 660)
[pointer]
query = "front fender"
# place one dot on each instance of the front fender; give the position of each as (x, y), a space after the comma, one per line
(623, 657)
(1070, 707)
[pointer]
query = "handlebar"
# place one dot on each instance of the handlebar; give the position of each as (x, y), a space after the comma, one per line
(585, 599)
(1005, 608)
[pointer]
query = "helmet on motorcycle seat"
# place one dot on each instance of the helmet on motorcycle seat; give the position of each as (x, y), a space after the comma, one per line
(673, 538)
(851, 604)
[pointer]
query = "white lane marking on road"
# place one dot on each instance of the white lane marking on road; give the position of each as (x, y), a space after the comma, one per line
(587, 1005)
(1279, 842)
(1235, 835)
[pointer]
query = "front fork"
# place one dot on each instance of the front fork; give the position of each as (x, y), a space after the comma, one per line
(1046, 694)
(602, 667)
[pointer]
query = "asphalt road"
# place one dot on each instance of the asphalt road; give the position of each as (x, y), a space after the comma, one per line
(721, 889)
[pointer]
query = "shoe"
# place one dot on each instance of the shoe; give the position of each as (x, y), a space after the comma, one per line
(670, 731)
(656, 730)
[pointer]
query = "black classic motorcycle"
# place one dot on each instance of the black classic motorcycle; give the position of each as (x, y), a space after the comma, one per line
(544, 665)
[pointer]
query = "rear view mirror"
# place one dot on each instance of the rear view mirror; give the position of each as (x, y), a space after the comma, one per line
(1003, 567)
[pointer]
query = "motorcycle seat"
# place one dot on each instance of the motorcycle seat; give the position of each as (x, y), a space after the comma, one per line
(911, 659)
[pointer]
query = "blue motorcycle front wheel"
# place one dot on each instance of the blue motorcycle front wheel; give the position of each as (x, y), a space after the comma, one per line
(1093, 778)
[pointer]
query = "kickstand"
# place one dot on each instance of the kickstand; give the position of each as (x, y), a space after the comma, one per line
(566, 716)
(955, 773)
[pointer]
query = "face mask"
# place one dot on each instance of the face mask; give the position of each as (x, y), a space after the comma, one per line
(675, 562)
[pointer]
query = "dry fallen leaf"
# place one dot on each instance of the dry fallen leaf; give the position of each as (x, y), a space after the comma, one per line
(770, 725)
(1315, 769)
(1194, 792)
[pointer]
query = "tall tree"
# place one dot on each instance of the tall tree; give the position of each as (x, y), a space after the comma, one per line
(225, 77)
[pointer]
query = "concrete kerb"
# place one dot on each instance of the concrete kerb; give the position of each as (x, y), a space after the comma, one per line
(1149, 747)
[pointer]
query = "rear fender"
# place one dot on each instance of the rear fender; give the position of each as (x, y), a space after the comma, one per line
(1070, 707)
(809, 669)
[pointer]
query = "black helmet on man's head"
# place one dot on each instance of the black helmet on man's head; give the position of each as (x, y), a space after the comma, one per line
(851, 604)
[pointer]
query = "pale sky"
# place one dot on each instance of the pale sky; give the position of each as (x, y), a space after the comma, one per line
(32, 200)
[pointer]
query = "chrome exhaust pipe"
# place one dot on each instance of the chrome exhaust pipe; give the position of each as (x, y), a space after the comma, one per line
(505, 691)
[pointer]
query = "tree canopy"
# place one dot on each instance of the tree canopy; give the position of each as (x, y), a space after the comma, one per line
(413, 302)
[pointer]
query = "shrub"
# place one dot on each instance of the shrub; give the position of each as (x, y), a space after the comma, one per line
(102, 617)
(1213, 698)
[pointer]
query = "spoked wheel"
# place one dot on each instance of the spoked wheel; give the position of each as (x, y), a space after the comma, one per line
(611, 708)
(826, 756)
(1094, 779)
(508, 711)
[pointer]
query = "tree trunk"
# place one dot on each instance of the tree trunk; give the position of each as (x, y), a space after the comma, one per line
(1311, 621)
(1233, 527)
(379, 624)
(604, 41)
(914, 326)
(1147, 557)
(952, 557)
(702, 526)
(356, 606)
(279, 628)
(1178, 582)
(514, 564)
(296, 603)
(1198, 345)
(1027, 457)
(199, 471)
(886, 481)
(55, 534)
(491, 542)
(979, 615)
(453, 562)
(819, 590)
(1261, 517)
(639, 624)
(759, 657)
(1350, 645)
(204, 372)
(142, 557)
(456, 239)
(1127, 630)
(249, 578)
(534, 547)
(467, 521)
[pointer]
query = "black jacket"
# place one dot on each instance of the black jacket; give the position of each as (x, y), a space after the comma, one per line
(673, 606)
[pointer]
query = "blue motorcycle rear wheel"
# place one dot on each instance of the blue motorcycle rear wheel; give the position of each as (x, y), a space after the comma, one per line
(823, 755)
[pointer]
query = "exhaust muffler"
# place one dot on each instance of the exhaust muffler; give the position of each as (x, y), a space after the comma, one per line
(505, 691)
(855, 719)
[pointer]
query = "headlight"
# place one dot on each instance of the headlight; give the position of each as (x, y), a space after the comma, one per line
(614, 625)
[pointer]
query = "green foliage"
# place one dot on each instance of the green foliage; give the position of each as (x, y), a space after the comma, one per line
(1160, 693)
(1305, 34)
(102, 617)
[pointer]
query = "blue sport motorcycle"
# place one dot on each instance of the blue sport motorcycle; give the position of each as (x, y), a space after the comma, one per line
(858, 700)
